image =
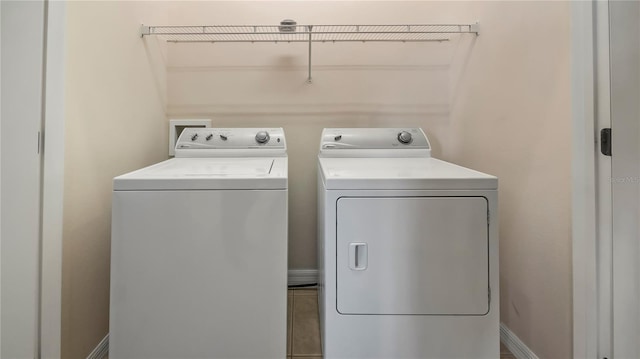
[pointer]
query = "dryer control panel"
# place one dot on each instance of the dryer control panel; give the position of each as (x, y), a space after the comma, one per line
(374, 142)
(231, 142)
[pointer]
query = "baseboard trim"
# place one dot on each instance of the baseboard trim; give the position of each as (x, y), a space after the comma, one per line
(302, 276)
(307, 276)
(101, 350)
(516, 346)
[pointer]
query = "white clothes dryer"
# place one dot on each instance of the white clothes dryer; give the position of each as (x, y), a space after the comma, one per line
(199, 250)
(407, 250)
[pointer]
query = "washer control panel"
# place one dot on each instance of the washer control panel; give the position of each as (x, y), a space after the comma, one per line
(373, 138)
(194, 139)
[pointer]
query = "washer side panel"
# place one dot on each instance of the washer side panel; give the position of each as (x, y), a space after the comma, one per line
(198, 274)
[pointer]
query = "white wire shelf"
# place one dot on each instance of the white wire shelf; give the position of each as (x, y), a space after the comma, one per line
(309, 33)
(306, 33)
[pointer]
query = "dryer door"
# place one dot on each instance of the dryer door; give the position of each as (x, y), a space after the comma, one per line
(412, 255)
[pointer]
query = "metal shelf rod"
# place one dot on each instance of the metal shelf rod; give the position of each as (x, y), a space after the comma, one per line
(305, 41)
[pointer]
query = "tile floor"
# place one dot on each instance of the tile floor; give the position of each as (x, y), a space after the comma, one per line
(303, 327)
(303, 337)
(505, 353)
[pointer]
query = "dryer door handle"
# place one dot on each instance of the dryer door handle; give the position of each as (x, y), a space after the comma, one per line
(358, 256)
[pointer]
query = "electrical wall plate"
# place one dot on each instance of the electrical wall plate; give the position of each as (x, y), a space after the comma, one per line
(178, 125)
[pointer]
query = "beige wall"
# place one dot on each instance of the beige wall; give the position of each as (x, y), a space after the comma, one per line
(511, 117)
(499, 103)
(354, 85)
(115, 122)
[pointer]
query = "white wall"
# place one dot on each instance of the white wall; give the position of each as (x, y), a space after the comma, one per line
(498, 103)
(115, 122)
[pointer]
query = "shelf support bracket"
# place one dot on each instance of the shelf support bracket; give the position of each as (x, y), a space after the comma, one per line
(309, 65)
(144, 30)
(475, 28)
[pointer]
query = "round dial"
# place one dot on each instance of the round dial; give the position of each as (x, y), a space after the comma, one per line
(405, 137)
(262, 137)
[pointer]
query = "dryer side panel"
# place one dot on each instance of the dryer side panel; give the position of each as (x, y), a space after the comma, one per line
(412, 256)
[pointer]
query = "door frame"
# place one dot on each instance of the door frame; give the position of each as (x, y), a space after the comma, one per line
(52, 182)
(591, 181)
(33, 124)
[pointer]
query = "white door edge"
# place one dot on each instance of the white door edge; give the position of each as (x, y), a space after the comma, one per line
(585, 331)
(592, 189)
(53, 184)
(604, 237)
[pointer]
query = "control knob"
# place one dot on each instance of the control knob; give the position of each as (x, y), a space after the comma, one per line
(262, 137)
(405, 137)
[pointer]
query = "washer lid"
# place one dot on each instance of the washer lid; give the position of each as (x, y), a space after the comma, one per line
(207, 173)
(401, 173)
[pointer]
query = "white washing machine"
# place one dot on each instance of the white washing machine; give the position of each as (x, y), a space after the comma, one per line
(407, 250)
(199, 250)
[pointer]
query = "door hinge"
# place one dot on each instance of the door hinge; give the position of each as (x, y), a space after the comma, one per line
(605, 141)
